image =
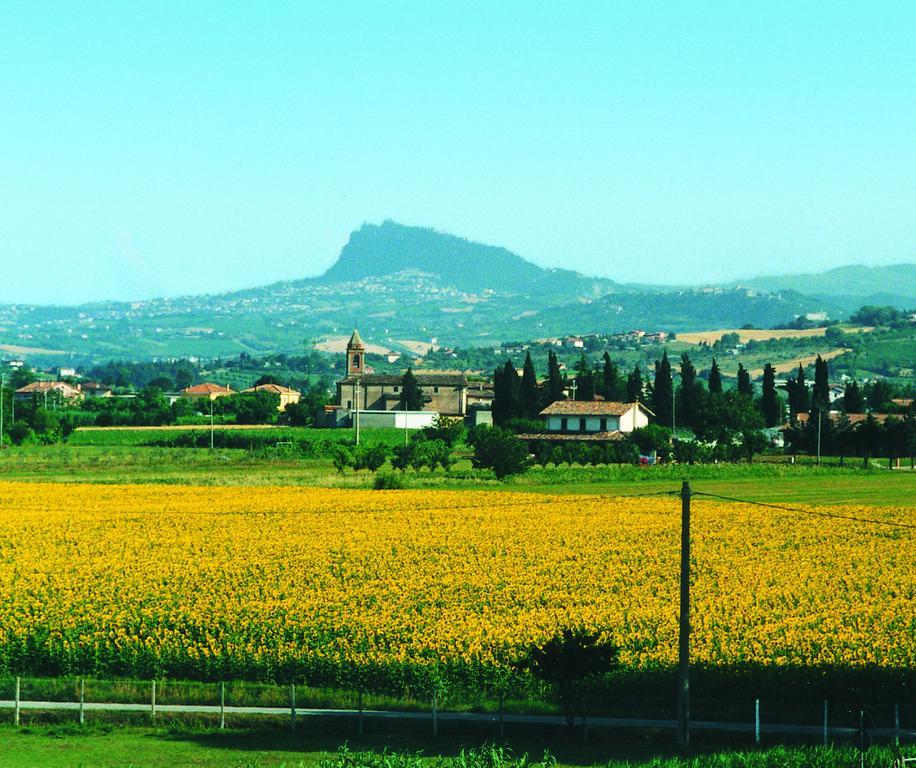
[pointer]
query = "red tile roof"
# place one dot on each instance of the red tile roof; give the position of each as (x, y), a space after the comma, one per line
(276, 389)
(590, 408)
(207, 389)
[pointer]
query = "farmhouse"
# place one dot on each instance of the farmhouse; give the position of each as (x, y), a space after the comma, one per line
(597, 420)
(44, 388)
(206, 391)
(285, 394)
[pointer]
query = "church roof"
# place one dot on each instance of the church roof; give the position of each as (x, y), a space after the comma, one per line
(355, 341)
(423, 379)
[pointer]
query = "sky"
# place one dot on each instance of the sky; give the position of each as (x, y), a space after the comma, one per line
(154, 149)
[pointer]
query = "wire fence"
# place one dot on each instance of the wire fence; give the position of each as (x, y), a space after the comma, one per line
(754, 719)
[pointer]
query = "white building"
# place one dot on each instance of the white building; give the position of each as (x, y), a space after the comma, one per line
(594, 417)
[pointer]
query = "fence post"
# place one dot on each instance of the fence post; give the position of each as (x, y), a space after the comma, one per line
(222, 706)
(825, 723)
(359, 702)
(82, 700)
(16, 713)
(152, 709)
(501, 710)
(897, 724)
(756, 721)
(435, 713)
(292, 711)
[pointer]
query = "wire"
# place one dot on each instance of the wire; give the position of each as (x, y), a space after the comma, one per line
(812, 512)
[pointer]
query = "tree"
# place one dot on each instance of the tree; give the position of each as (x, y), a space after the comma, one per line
(498, 449)
(689, 392)
(745, 387)
(554, 378)
(411, 398)
(567, 661)
(799, 400)
(613, 386)
(868, 438)
(663, 392)
(879, 394)
(653, 437)
(530, 397)
(634, 385)
(770, 404)
(715, 379)
(724, 418)
(266, 379)
(506, 394)
(585, 380)
(853, 402)
(820, 395)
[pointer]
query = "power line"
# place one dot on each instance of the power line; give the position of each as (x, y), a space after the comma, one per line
(812, 512)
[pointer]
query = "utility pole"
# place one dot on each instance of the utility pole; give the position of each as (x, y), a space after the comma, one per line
(356, 413)
(2, 387)
(818, 436)
(211, 422)
(573, 387)
(683, 667)
(405, 421)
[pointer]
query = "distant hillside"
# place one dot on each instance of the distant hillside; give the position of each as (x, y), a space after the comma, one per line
(849, 286)
(381, 250)
(403, 286)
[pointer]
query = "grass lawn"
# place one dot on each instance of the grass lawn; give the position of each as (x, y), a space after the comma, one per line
(56, 746)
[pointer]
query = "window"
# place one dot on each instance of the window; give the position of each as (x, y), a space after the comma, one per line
(436, 390)
(355, 361)
(349, 404)
(604, 425)
(396, 388)
(582, 425)
(564, 424)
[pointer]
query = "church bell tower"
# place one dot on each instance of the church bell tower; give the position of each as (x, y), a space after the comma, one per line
(356, 354)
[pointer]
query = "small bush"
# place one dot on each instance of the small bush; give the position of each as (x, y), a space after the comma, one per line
(389, 481)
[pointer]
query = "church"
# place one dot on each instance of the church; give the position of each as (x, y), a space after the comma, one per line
(445, 393)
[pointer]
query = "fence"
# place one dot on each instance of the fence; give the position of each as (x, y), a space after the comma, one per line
(822, 722)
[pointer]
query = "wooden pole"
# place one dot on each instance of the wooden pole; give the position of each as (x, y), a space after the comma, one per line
(292, 711)
(222, 706)
(359, 703)
(16, 711)
(435, 713)
(502, 697)
(897, 724)
(826, 737)
(82, 701)
(683, 672)
(152, 710)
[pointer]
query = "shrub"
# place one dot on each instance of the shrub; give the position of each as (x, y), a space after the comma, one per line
(500, 450)
(389, 481)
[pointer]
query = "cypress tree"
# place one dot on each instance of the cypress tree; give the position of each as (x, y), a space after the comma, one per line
(663, 391)
(853, 402)
(554, 378)
(798, 393)
(634, 385)
(506, 394)
(821, 393)
(585, 380)
(770, 407)
(411, 397)
(688, 393)
(614, 388)
(715, 379)
(745, 387)
(530, 395)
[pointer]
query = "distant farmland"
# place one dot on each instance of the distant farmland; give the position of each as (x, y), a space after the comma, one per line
(756, 334)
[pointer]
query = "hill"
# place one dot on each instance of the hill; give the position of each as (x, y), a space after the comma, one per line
(403, 286)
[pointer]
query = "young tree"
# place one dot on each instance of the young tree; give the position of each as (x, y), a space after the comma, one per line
(554, 378)
(498, 449)
(411, 398)
(585, 380)
(853, 402)
(568, 660)
(715, 379)
(634, 385)
(745, 387)
(663, 392)
(688, 393)
(530, 396)
(770, 403)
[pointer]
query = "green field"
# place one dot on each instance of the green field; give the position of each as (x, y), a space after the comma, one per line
(761, 481)
(107, 746)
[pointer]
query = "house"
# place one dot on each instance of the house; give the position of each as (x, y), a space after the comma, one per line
(45, 388)
(595, 419)
(94, 389)
(66, 373)
(206, 391)
(286, 394)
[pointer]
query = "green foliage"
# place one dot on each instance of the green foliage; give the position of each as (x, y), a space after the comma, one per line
(411, 396)
(715, 378)
(635, 385)
(770, 402)
(342, 457)
(482, 757)
(448, 430)
(389, 481)
(370, 457)
(567, 661)
(498, 449)
(653, 437)
(554, 378)
(663, 392)
(876, 315)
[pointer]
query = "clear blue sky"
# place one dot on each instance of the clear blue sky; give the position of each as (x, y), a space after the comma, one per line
(161, 148)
